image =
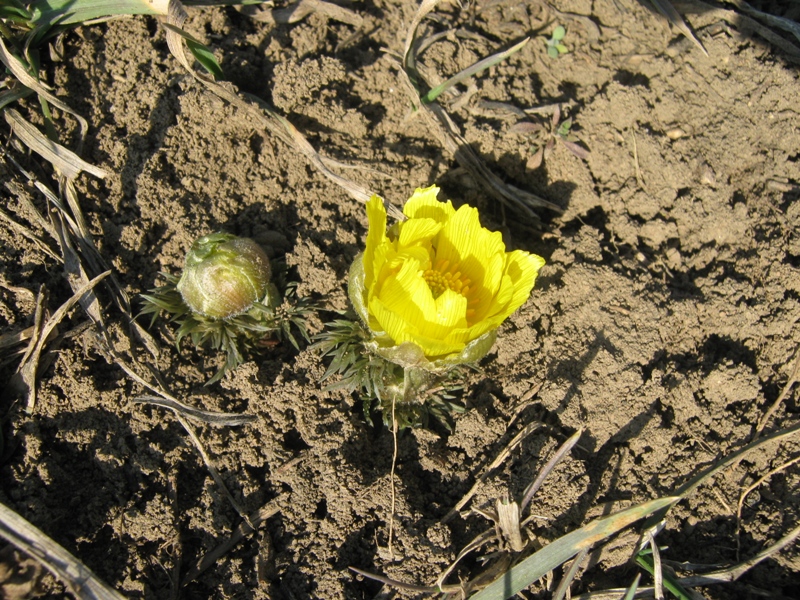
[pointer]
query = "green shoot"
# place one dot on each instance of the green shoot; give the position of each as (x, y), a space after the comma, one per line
(554, 46)
(476, 68)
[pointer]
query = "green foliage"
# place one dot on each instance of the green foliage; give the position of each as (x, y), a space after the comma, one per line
(554, 46)
(382, 384)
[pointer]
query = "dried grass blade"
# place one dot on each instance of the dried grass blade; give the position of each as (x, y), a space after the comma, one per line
(690, 486)
(394, 583)
(455, 143)
(38, 319)
(774, 20)
(508, 523)
(176, 17)
(199, 50)
(211, 468)
(19, 71)
(727, 575)
(300, 10)
(25, 200)
(793, 377)
(27, 370)
(665, 8)
(746, 492)
(63, 565)
(745, 23)
(561, 550)
(409, 56)
(76, 275)
(569, 576)
(658, 571)
(204, 416)
(13, 339)
(25, 232)
(452, 140)
(736, 571)
(169, 401)
(66, 161)
(476, 543)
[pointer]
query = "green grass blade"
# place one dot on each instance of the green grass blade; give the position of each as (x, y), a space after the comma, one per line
(73, 12)
(15, 11)
(558, 552)
(9, 96)
(478, 67)
(630, 594)
(200, 51)
(646, 562)
(205, 57)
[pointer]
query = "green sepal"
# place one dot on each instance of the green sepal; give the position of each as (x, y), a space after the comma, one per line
(410, 356)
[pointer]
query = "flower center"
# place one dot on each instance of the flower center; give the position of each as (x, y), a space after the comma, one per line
(442, 278)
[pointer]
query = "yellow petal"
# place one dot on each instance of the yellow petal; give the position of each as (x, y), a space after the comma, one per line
(465, 242)
(394, 326)
(519, 277)
(522, 268)
(376, 235)
(450, 310)
(383, 256)
(406, 295)
(484, 289)
(423, 204)
(418, 231)
(435, 347)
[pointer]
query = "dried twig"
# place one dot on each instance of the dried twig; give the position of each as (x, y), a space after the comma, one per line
(451, 138)
(793, 377)
(747, 491)
(245, 528)
(551, 464)
(530, 428)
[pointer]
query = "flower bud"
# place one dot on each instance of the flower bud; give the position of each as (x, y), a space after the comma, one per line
(224, 276)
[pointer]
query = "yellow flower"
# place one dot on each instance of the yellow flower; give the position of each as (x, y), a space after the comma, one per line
(438, 281)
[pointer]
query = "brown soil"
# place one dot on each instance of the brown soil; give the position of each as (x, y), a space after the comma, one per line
(665, 322)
